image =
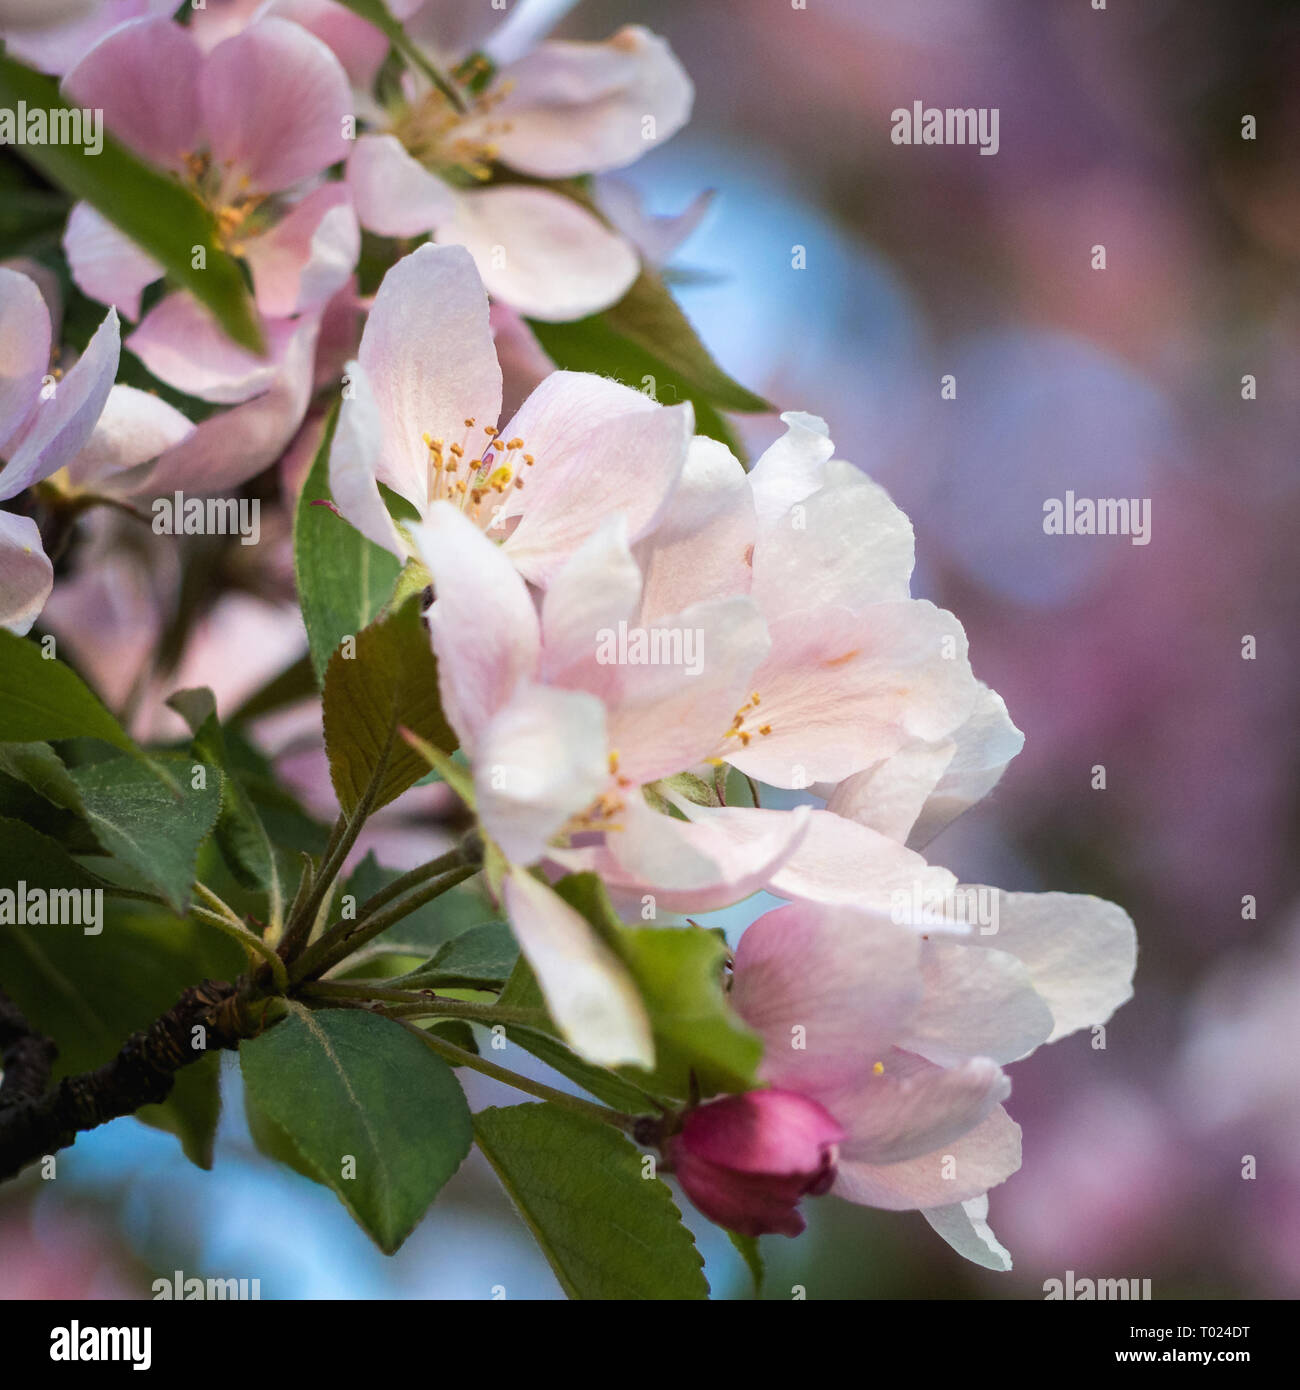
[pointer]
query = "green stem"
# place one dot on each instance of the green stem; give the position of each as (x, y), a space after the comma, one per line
(342, 838)
(428, 1003)
(248, 939)
(458, 1057)
(344, 937)
(411, 879)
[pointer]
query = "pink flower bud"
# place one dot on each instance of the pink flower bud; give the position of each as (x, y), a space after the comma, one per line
(746, 1160)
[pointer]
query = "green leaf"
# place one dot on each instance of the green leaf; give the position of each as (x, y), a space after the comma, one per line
(344, 1084)
(650, 317)
(679, 971)
(378, 14)
(192, 1111)
(42, 699)
(153, 828)
(646, 341)
(154, 210)
(747, 1246)
(90, 993)
(30, 219)
(343, 578)
(481, 958)
(29, 857)
(42, 769)
(391, 681)
(269, 1139)
(240, 833)
(605, 1085)
(608, 1231)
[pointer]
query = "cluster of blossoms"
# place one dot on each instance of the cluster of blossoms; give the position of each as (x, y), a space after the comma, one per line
(251, 107)
(885, 1030)
(591, 510)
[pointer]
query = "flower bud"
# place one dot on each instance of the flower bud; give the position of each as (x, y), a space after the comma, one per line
(746, 1160)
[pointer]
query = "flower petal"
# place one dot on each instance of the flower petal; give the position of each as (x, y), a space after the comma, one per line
(308, 255)
(843, 689)
(485, 629)
(354, 453)
(61, 424)
(701, 545)
(599, 586)
(589, 993)
(231, 446)
(394, 194)
(358, 45)
(135, 427)
(427, 349)
(182, 344)
(790, 469)
(601, 449)
(889, 795)
(696, 867)
(673, 714)
(274, 100)
(979, 1160)
(836, 861)
(828, 988)
(965, 1226)
(61, 33)
(845, 545)
(582, 108)
(26, 574)
(976, 1004)
(538, 761)
(913, 1107)
(144, 76)
(985, 744)
(1080, 952)
(541, 251)
(106, 264)
(25, 335)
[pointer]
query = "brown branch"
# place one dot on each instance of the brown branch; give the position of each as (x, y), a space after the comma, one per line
(26, 1056)
(142, 1073)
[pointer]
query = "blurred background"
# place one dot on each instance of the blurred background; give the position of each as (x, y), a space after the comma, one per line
(1173, 1153)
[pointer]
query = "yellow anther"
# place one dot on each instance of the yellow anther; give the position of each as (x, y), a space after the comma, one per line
(878, 1068)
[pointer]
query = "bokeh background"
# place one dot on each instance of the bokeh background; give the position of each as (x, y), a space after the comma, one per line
(1119, 127)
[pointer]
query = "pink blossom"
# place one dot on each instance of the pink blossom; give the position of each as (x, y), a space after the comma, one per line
(901, 1035)
(560, 110)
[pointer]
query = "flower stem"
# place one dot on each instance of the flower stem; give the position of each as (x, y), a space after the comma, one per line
(343, 837)
(427, 1002)
(344, 937)
(458, 1057)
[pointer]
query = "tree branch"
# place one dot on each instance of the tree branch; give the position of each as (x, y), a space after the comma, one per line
(142, 1073)
(26, 1056)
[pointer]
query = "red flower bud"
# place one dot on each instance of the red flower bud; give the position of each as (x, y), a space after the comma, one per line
(746, 1160)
